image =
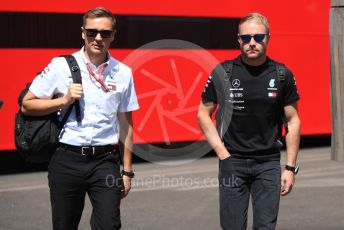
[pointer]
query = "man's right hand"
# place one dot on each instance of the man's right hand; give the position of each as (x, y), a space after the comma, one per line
(222, 153)
(74, 93)
(224, 157)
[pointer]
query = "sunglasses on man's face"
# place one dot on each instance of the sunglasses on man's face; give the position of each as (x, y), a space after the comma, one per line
(92, 33)
(246, 38)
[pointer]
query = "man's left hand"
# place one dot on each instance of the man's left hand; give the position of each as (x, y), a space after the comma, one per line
(126, 185)
(287, 182)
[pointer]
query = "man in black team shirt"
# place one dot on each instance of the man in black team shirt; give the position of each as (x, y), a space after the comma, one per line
(249, 151)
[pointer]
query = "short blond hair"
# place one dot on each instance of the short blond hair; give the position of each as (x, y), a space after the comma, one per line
(99, 12)
(258, 18)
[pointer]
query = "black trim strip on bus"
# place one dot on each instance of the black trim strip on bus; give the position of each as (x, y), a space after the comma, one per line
(54, 30)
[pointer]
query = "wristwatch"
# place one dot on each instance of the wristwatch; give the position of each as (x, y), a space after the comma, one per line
(130, 174)
(294, 169)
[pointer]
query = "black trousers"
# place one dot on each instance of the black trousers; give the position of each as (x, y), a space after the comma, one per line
(240, 178)
(71, 175)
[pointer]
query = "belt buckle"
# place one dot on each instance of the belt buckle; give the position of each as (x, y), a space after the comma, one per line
(83, 150)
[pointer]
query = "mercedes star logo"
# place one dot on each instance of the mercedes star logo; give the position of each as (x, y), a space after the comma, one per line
(236, 83)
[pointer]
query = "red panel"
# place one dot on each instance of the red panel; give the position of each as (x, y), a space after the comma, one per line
(169, 112)
(169, 84)
(309, 60)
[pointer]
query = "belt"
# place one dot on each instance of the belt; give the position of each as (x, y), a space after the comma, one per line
(88, 150)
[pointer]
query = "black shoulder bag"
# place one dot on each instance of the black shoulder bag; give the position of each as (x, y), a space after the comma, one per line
(37, 137)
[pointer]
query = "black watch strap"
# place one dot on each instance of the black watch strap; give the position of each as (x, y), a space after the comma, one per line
(130, 174)
(294, 169)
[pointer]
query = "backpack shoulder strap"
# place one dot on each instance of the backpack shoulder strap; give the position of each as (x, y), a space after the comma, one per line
(280, 70)
(76, 75)
(222, 82)
(74, 68)
(281, 76)
(228, 67)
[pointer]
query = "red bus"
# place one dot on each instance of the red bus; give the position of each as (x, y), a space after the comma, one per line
(171, 46)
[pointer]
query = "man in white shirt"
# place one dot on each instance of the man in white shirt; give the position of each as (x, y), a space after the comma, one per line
(88, 159)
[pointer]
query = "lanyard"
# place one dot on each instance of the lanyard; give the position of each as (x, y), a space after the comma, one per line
(99, 77)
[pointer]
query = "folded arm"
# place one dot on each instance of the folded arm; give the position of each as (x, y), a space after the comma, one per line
(34, 106)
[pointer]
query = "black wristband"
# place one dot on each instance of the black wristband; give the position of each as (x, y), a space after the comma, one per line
(294, 169)
(130, 174)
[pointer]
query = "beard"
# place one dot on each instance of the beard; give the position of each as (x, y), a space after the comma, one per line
(254, 53)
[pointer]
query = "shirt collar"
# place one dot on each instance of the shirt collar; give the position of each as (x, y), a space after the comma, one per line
(85, 60)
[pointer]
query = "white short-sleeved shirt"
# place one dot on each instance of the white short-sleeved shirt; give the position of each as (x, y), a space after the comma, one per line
(99, 124)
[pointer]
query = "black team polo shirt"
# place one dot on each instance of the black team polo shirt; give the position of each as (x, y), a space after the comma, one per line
(256, 97)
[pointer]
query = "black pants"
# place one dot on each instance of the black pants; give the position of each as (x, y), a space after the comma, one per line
(71, 175)
(240, 178)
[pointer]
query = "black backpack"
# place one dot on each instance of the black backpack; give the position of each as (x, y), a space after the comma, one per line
(37, 137)
(222, 85)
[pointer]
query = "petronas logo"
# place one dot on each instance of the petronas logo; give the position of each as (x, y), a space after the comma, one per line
(272, 83)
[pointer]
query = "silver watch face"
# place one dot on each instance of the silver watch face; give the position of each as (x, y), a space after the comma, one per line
(296, 169)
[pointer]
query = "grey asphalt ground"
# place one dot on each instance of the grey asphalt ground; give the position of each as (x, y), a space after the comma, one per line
(185, 196)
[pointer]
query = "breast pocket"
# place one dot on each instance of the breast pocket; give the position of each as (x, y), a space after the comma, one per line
(110, 103)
